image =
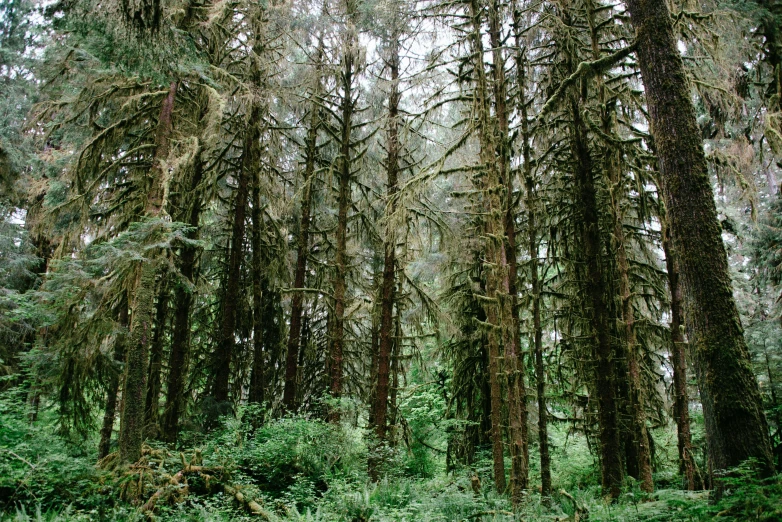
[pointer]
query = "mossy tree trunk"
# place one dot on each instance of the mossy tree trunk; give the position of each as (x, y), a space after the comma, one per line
(112, 391)
(224, 352)
(303, 240)
(183, 303)
(347, 77)
(487, 182)
(256, 393)
(143, 302)
(681, 407)
(388, 284)
(736, 426)
(596, 303)
(517, 396)
(152, 399)
(534, 258)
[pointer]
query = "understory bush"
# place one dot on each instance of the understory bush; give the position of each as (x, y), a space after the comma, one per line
(305, 469)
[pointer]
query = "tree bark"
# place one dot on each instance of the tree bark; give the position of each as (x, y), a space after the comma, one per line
(396, 352)
(534, 256)
(152, 399)
(223, 355)
(736, 427)
(183, 299)
(347, 74)
(494, 262)
(302, 248)
(388, 284)
(681, 407)
(257, 384)
(636, 405)
(132, 421)
(610, 462)
(517, 396)
(113, 386)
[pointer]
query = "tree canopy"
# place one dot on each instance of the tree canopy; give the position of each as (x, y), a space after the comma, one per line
(390, 260)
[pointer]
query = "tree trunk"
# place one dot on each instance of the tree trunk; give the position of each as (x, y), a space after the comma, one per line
(636, 405)
(132, 421)
(113, 387)
(537, 328)
(183, 299)
(533, 253)
(257, 384)
(223, 355)
(596, 289)
(637, 444)
(343, 202)
(302, 249)
(681, 407)
(517, 397)
(152, 400)
(388, 284)
(396, 352)
(494, 261)
(374, 348)
(736, 426)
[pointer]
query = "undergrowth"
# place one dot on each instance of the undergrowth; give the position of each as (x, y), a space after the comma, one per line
(304, 469)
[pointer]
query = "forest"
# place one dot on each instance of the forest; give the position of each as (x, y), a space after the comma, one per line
(353, 260)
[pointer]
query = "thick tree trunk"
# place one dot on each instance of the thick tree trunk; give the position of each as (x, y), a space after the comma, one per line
(681, 407)
(736, 426)
(112, 392)
(132, 423)
(141, 324)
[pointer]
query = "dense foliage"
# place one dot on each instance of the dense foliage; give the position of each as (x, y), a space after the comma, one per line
(390, 260)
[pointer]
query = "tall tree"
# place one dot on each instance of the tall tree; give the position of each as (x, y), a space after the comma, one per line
(388, 283)
(349, 69)
(143, 304)
(596, 303)
(681, 401)
(303, 240)
(112, 391)
(517, 396)
(532, 244)
(735, 422)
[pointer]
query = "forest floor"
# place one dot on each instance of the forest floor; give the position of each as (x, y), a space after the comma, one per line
(307, 470)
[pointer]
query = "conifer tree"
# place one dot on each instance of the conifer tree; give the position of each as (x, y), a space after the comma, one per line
(735, 423)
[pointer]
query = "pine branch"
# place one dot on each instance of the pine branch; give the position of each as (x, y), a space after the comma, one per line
(585, 70)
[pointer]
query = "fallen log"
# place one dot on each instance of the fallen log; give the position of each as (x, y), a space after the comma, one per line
(250, 505)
